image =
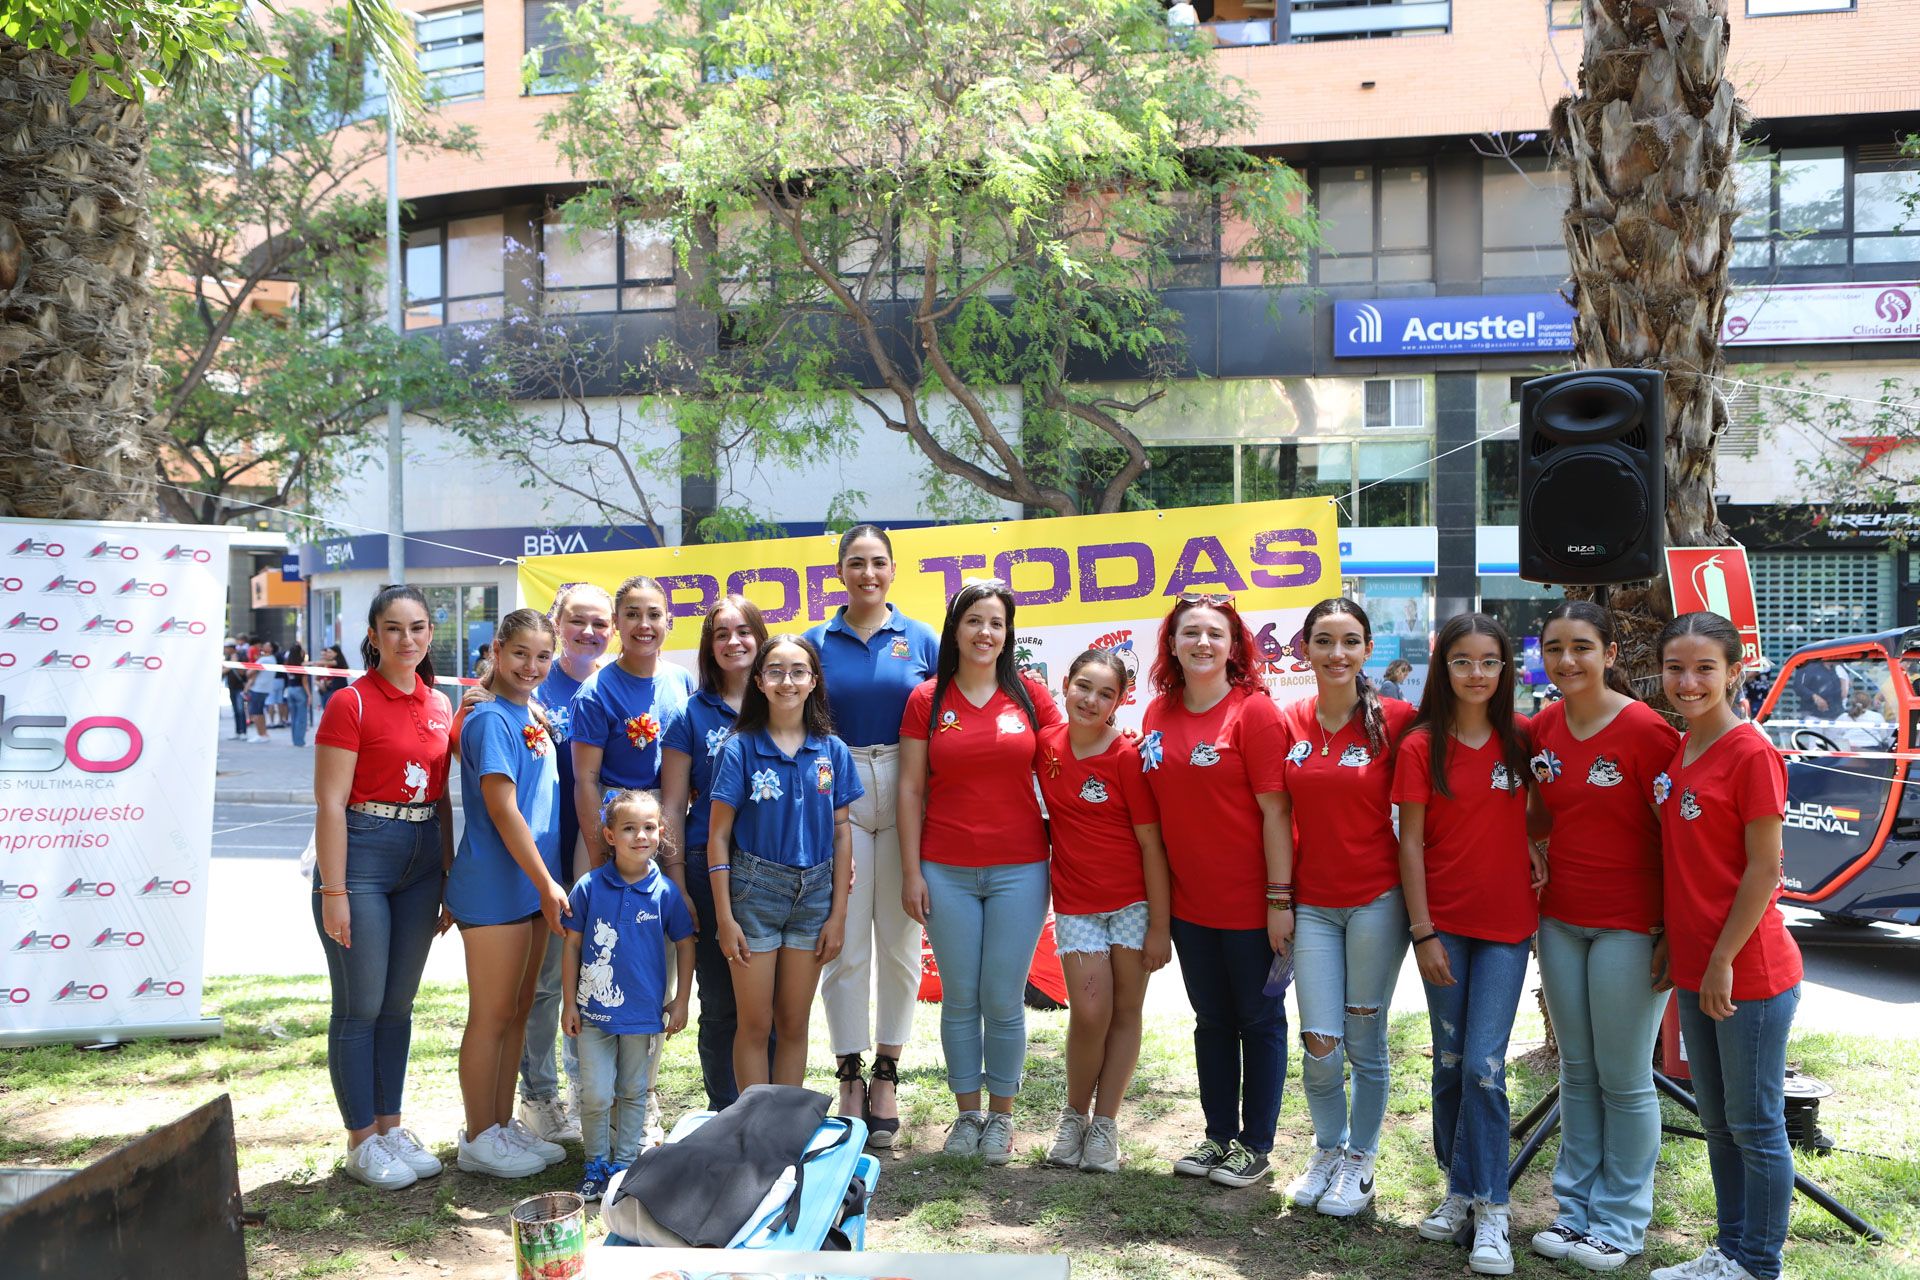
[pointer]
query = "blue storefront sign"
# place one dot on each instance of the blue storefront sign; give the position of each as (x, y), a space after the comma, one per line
(451, 548)
(1459, 325)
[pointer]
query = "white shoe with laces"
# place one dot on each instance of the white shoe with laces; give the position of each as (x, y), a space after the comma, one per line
(1492, 1249)
(549, 1152)
(1448, 1220)
(411, 1152)
(1352, 1189)
(548, 1119)
(375, 1164)
(1312, 1182)
(1101, 1154)
(1068, 1140)
(1710, 1265)
(496, 1154)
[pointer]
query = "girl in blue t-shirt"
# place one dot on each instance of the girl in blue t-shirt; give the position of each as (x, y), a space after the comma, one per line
(780, 855)
(502, 893)
(622, 711)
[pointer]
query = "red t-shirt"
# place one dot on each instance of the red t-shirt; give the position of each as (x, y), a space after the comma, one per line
(1344, 851)
(1093, 805)
(400, 739)
(1205, 771)
(982, 810)
(1604, 870)
(1479, 880)
(1704, 811)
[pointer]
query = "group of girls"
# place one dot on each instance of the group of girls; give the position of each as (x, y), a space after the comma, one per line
(827, 796)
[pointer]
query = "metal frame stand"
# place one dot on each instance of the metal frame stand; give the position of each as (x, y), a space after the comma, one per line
(1543, 1121)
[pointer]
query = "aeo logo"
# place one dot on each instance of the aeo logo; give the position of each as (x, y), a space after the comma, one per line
(135, 587)
(29, 622)
(136, 662)
(12, 584)
(65, 586)
(199, 555)
(88, 745)
(114, 549)
(100, 622)
(51, 550)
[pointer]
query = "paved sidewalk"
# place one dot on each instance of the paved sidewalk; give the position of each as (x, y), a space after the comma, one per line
(274, 771)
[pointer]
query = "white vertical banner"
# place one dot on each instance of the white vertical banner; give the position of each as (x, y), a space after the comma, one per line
(109, 714)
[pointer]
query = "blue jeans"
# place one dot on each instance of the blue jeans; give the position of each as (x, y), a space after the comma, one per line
(614, 1079)
(713, 977)
(1472, 1021)
(1606, 1015)
(238, 697)
(393, 884)
(1239, 1032)
(1348, 958)
(983, 924)
(297, 713)
(1739, 1073)
(539, 1082)
(778, 906)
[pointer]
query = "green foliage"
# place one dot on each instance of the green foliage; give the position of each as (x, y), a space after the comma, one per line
(934, 211)
(1821, 420)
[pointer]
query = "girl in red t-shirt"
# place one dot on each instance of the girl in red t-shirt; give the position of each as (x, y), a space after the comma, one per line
(384, 838)
(973, 854)
(1350, 916)
(1109, 903)
(1213, 753)
(1461, 785)
(1722, 800)
(1596, 752)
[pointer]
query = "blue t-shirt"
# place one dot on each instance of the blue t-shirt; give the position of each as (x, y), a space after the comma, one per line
(624, 930)
(555, 697)
(868, 683)
(626, 716)
(783, 805)
(698, 735)
(486, 886)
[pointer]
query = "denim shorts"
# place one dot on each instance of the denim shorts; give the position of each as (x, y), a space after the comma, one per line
(1100, 933)
(779, 906)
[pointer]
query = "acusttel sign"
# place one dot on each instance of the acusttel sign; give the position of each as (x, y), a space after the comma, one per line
(95, 744)
(1454, 325)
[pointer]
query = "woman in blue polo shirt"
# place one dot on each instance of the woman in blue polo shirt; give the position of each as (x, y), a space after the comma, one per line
(623, 710)
(730, 637)
(780, 850)
(871, 657)
(502, 893)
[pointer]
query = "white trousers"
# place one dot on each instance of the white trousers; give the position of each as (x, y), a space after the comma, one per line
(869, 989)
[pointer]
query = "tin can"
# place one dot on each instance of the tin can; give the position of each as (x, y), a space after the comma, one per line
(550, 1236)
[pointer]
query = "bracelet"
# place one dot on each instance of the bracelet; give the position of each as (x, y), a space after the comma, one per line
(719, 866)
(1420, 924)
(339, 891)
(1431, 937)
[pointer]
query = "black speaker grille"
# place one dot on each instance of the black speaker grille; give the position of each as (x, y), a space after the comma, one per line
(1588, 506)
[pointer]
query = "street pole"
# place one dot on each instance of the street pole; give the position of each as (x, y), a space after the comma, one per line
(396, 318)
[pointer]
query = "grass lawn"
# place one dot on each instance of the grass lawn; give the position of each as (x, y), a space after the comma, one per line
(62, 1106)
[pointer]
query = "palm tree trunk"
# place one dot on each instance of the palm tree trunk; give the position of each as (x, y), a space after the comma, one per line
(75, 304)
(1651, 140)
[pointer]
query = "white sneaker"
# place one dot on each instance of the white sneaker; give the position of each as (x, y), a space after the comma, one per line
(1596, 1254)
(520, 1135)
(1556, 1241)
(1710, 1265)
(656, 1129)
(411, 1152)
(963, 1137)
(497, 1154)
(996, 1139)
(1352, 1188)
(549, 1119)
(1312, 1182)
(375, 1164)
(1448, 1221)
(1068, 1140)
(1492, 1251)
(1101, 1154)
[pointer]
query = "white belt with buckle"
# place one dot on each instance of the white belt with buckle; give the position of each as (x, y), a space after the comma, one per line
(404, 812)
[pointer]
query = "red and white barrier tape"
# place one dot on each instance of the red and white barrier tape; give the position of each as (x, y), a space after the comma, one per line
(323, 671)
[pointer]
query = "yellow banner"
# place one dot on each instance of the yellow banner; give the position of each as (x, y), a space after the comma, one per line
(1078, 572)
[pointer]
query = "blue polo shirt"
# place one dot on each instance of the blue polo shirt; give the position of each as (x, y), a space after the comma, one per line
(626, 716)
(783, 805)
(698, 735)
(624, 930)
(486, 886)
(868, 683)
(555, 697)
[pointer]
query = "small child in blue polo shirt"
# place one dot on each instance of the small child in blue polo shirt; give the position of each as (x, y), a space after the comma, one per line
(780, 855)
(623, 913)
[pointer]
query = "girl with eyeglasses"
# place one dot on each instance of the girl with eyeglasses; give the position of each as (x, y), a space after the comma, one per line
(1471, 878)
(1213, 753)
(780, 856)
(1602, 953)
(1350, 915)
(973, 855)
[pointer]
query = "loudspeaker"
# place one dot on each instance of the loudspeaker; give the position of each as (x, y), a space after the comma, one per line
(1593, 491)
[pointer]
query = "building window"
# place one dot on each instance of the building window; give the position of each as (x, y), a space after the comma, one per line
(453, 53)
(1192, 243)
(1777, 8)
(1377, 224)
(1522, 202)
(1562, 14)
(1394, 403)
(1499, 481)
(545, 37)
(1886, 205)
(425, 277)
(455, 273)
(1828, 206)
(1296, 471)
(595, 270)
(1394, 483)
(463, 622)
(1316, 20)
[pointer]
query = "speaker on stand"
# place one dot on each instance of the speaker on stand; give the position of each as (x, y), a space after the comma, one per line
(1593, 447)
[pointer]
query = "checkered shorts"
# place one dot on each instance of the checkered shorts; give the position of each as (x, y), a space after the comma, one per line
(1126, 927)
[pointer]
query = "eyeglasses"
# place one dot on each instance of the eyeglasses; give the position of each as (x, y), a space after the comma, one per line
(1468, 666)
(1217, 602)
(787, 675)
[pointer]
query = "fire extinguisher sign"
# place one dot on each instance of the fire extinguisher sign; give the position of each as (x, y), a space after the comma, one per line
(1718, 580)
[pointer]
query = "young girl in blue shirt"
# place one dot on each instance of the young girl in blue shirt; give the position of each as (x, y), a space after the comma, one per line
(780, 855)
(502, 893)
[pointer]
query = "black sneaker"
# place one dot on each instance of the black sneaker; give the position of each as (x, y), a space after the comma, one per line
(1556, 1241)
(1241, 1168)
(1202, 1160)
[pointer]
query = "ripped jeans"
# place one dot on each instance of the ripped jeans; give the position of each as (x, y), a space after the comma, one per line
(1346, 960)
(1472, 1021)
